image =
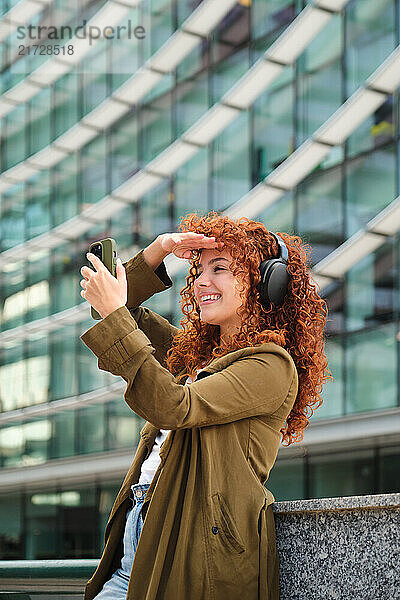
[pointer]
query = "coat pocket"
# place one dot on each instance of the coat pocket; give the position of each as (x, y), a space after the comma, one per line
(226, 524)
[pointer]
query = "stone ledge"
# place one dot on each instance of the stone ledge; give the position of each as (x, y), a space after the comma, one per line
(337, 504)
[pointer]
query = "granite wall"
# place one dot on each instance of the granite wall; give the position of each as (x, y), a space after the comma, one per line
(339, 548)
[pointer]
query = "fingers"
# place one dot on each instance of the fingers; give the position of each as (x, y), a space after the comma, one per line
(96, 262)
(86, 272)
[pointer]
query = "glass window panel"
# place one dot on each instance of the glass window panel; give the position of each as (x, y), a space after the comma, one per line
(63, 379)
(350, 474)
(231, 174)
(227, 72)
(320, 212)
(12, 444)
(197, 60)
(191, 103)
(93, 71)
(12, 222)
(65, 190)
(370, 37)
(191, 185)
(334, 296)
(108, 493)
(66, 102)
(91, 429)
(62, 434)
(333, 391)
(94, 172)
(273, 133)
(370, 289)
(12, 379)
(37, 211)
(279, 216)
(232, 31)
(156, 128)
(40, 121)
(125, 49)
(271, 16)
(11, 538)
(37, 434)
(123, 425)
(370, 186)
(42, 528)
(38, 289)
(64, 291)
(13, 297)
(155, 215)
(123, 226)
(89, 375)
(371, 369)
(320, 95)
(157, 19)
(286, 480)
(78, 518)
(389, 461)
(16, 146)
(124, 150)
(37, 371)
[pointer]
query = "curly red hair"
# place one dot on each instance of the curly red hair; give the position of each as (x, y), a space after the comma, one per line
(297, 325)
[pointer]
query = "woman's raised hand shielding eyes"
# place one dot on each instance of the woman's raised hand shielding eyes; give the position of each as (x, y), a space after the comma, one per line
(182, 244)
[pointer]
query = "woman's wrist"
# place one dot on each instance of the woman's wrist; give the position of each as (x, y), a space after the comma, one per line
(154, 254)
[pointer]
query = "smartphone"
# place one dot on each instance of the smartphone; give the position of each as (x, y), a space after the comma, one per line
(106, 251)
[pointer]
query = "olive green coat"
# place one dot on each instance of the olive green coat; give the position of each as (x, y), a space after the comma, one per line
(208, 532)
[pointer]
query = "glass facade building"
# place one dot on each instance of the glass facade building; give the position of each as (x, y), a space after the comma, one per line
(66, 435)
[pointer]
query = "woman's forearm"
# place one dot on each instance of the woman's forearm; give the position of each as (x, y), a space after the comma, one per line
(154, 254)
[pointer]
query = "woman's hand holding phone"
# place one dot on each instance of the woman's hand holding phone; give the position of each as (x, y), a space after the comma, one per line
(102, 290)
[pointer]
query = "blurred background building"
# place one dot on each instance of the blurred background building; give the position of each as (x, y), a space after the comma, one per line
(79, 130)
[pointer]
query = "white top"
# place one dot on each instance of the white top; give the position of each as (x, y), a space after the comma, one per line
(150, 465)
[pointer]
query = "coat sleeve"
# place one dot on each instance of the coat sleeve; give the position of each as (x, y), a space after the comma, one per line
(144, 282)
(253, 385)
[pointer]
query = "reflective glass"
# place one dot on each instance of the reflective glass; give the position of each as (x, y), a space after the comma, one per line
(370, 186)
(370, 289)
(371, 369)
(340, 475)
(91, 428)
(271, 16)
(333, 391)
(63, 379)
(41, 524)
(191, 189)
(230, 178)
(273, 134)
(78, 527)
(320, 212)
(123, 425)
(286, 480)
(11, 536)
(389, 460)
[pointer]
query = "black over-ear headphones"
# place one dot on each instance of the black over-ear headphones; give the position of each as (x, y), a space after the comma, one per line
(274, 276)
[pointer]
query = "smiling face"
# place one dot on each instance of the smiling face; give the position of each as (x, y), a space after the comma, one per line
(215, 278)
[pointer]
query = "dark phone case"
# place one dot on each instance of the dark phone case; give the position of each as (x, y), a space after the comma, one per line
(109, 259)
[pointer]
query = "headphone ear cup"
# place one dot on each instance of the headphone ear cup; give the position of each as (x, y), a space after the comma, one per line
(278, 283)
(274, 281)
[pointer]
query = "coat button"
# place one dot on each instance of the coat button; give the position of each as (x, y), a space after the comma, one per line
(214, 530)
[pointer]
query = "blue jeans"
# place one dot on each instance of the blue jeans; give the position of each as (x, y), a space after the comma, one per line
(116, 588)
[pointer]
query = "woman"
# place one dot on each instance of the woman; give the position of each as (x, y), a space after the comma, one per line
(254, 369)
